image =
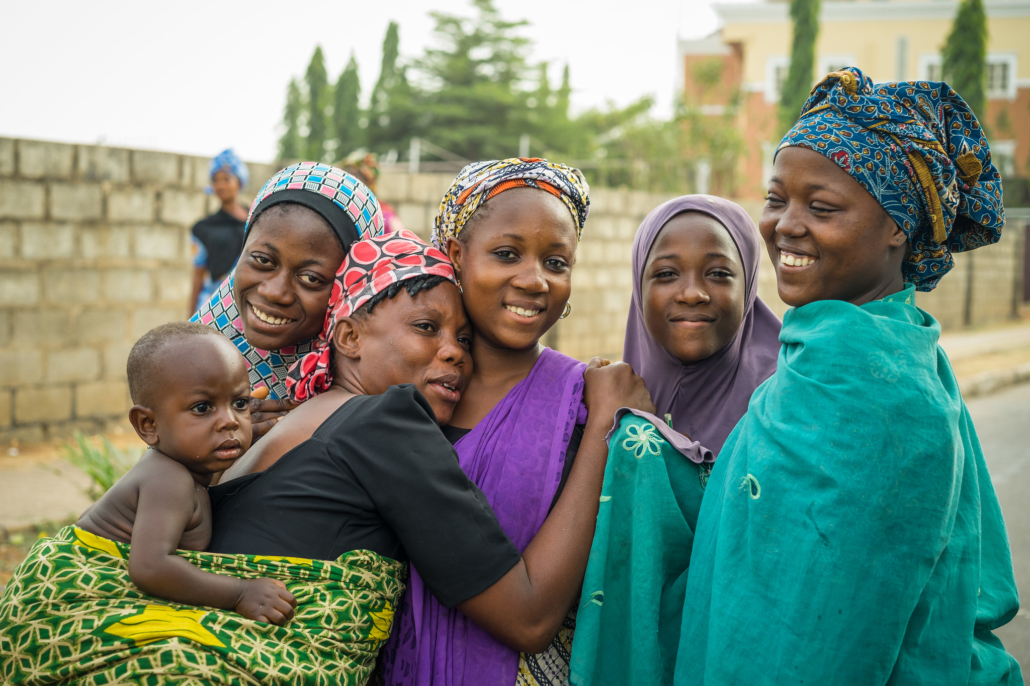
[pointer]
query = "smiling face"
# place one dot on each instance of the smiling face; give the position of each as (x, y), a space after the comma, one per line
(828, 238)
(422, 339)
(285, 276)
(693, 287)
(515, 266)
(201, 408)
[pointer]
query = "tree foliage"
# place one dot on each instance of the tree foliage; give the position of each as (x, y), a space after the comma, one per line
(291, 144)
(348, 134)
(319, 97)
(796, 87)
(964, 56)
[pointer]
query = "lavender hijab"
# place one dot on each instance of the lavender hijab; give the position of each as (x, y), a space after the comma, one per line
(515, 455)
(706, 399)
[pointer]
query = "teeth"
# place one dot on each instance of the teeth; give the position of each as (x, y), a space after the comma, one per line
(267, 317)
(795, 260)
(522, 312)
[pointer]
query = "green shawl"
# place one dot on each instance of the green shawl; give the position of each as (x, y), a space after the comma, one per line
(849, 532)
(71, 615)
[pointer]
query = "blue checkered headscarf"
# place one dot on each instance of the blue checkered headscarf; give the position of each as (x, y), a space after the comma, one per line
(227, 159)
(920, 151)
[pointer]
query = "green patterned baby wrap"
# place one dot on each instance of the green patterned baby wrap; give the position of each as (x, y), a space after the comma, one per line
(71, 615)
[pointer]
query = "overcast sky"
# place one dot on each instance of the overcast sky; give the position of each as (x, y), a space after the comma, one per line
(196, 77)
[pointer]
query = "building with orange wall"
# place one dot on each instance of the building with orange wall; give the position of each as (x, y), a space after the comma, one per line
(890, 40)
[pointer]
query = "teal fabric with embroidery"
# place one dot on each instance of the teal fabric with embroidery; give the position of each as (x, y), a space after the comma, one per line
(627, 629)
(849, 532)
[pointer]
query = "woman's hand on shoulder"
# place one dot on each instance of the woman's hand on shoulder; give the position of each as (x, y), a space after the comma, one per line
(609, 386)
(265, 412)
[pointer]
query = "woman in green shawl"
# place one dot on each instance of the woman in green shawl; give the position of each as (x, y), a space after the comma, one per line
(849, 533)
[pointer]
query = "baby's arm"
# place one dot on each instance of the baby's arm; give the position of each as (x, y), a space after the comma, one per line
(166, 504)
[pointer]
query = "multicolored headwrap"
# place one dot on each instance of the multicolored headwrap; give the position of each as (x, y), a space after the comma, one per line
(480, 181)
(350, 209)
(919, 150)
(372, 265)
(228, 159)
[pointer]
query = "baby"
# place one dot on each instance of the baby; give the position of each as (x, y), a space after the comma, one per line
(190, 394)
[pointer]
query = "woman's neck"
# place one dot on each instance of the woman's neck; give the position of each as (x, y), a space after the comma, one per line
(495, 371)
(234, 209)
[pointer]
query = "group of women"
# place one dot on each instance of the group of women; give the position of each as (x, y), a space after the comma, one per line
(767, 503)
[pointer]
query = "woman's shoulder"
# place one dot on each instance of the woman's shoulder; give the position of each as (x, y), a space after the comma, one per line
(400, 406)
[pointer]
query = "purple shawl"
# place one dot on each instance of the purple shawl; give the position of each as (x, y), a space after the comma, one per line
(515, 455)
(706, 399)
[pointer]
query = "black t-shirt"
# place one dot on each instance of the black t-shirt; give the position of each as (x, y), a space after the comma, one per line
(456, 433)
(222, 236)
(377, 475)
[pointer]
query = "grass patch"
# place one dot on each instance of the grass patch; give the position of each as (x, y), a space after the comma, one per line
(103, 463)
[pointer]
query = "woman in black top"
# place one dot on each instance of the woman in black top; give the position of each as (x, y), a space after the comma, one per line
(363, 464)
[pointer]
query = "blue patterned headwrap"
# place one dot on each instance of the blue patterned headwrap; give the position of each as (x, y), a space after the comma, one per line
(227, 159)
(920, 151)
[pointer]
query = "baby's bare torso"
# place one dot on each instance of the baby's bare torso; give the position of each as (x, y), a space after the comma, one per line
(114, 514)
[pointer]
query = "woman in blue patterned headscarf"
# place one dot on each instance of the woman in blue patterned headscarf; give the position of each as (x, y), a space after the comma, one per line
(273, 304)
(849, 532)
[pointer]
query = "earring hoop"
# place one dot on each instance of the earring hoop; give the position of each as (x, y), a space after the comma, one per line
(460, 289)
(567, 311)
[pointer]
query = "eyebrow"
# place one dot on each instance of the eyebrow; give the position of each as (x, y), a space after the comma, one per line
(810, 186)
(675, 256)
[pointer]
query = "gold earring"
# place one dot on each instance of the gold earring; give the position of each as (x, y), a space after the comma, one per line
(567, 312)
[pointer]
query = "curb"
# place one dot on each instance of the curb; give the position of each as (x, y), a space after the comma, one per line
(990, 382)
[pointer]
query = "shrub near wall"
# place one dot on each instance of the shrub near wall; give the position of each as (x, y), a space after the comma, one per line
(93, 253)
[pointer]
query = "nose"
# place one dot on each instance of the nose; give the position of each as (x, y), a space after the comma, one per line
(791, 222)
(451, 350)
(531, 278)
(277, 288)
(226, 419)
(693, 292)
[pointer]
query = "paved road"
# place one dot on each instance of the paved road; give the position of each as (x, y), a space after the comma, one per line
(1003, 424)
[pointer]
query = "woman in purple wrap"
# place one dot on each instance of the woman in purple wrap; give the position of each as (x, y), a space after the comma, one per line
(511, 228)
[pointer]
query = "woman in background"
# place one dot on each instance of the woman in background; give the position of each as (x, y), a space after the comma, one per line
(365, 167)
(218, 239)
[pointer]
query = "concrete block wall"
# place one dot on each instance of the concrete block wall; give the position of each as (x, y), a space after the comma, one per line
(94, 252)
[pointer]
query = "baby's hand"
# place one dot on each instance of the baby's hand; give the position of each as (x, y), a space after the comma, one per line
(266, 600)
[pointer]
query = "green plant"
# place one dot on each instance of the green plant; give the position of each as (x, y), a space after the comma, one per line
(104, 464)
(805, 16)
(965, 55)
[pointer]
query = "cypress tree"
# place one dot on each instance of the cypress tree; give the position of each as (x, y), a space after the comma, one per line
(347, 111)
(318, 99)
(564, 94)
(379, 104)
(290, 143)
(805, 16)
(964, 57)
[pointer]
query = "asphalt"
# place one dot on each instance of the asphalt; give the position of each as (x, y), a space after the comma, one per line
(1002, 422)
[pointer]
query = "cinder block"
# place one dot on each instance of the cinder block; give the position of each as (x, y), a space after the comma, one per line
(99, 163)
(259, 174)
(159, 243)
(8, 239)
(115, 357)
(21, 367)
(627, 228)
(18, 288)
(47, 404)
(40, 327)
(25, 435)
(155, 167)
(393, 187)
(130, 204)
(6, 157)
(6, 408)
(104, 241)
(43, 241)
(96, 325)
(602, 227)
(64, 286)
(21, 199)
(414, 217)
(426, 188)
(639, 203)
(182, 207)
(101, 399)
(79, 364)
(75, 201)
(5, 328)
(146, 318)
(174, 284)
(127, 285)
(41, 159)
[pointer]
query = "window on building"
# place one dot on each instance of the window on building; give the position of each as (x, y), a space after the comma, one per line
(775, 75)
(1001, 75)
(1003, 155)
(831, 63)
(929, 67)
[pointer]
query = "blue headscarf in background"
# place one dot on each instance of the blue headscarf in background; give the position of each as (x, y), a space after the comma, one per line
(920, 151)
(228, 159)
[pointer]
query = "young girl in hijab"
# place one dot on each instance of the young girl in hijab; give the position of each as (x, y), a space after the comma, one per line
(703, 341)
(273, 304)
(511, 228)
(849, 532)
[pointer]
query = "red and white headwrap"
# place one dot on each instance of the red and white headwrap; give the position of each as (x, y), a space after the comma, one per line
(371, 266)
